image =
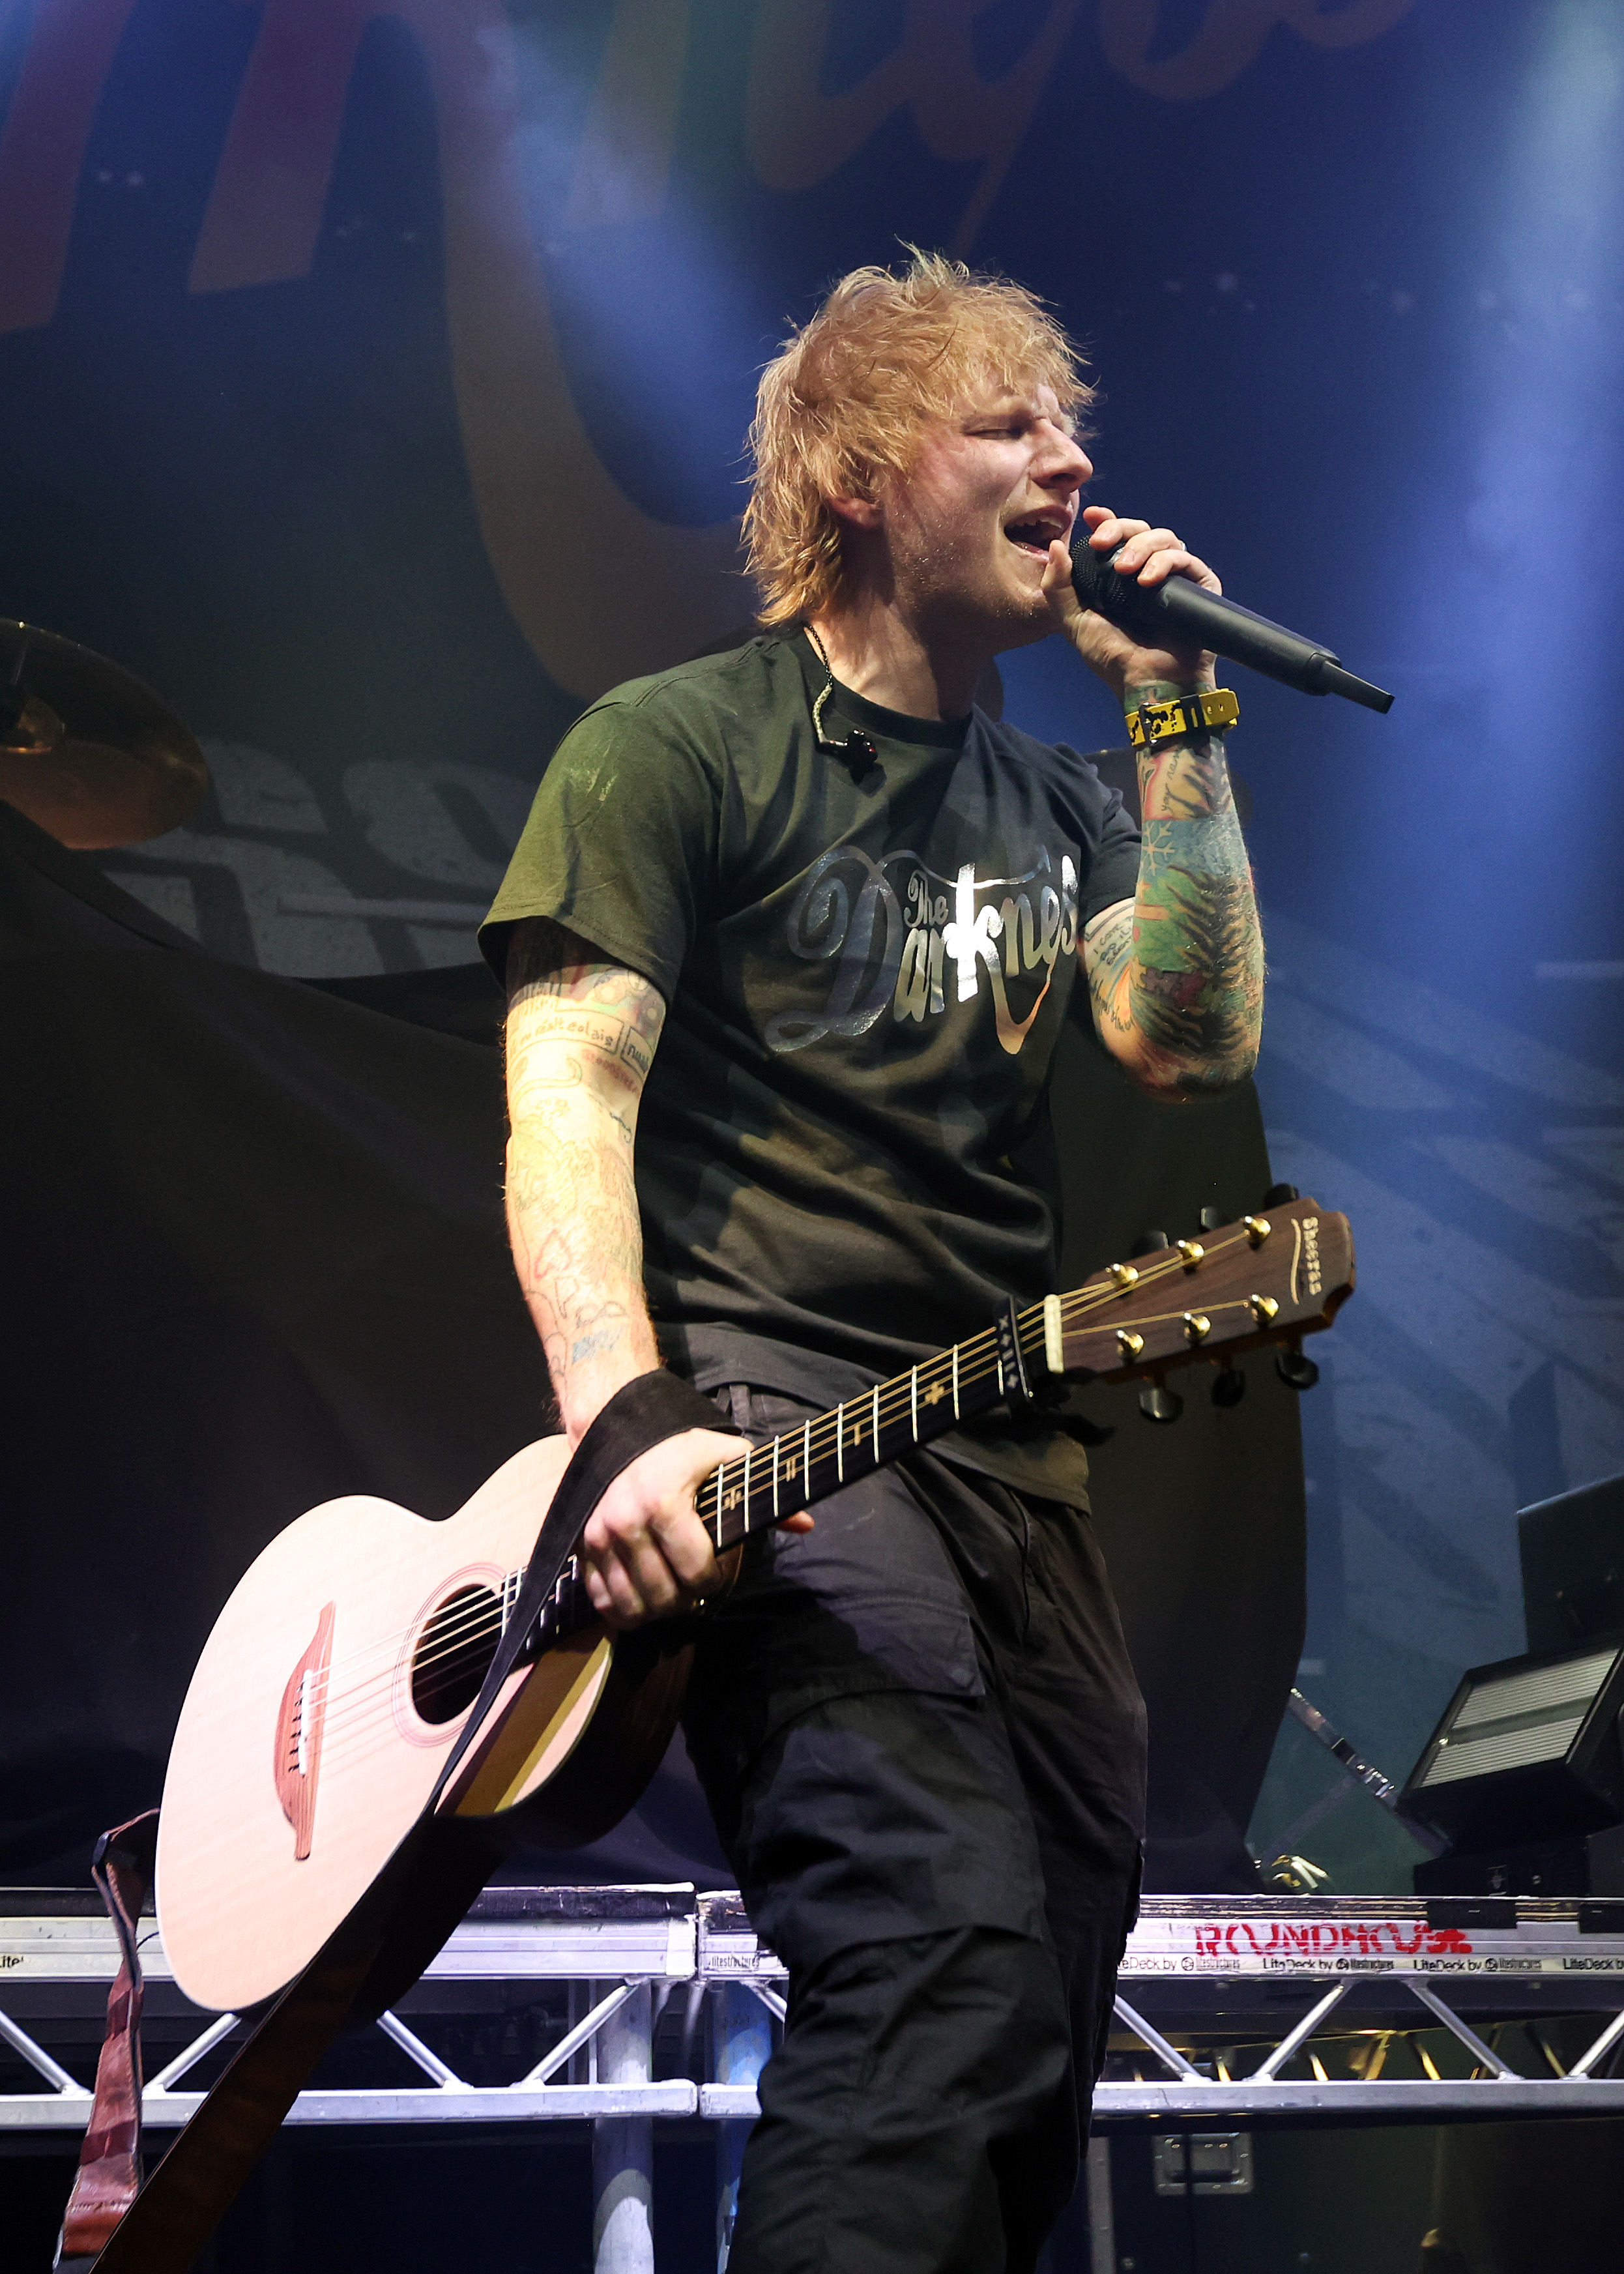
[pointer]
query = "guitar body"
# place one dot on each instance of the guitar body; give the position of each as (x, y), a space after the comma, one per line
(335, 1683)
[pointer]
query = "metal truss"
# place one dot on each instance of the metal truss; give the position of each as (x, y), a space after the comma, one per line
(631, 1948)
(1452, 1989)
(1493, 2088)
(1240, 2010)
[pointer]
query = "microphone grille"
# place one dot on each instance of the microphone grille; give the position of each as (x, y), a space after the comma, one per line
(1094, 580)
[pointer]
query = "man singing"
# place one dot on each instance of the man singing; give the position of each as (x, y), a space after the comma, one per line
(788, 942)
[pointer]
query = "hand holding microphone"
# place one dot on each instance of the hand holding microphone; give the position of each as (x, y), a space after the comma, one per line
(1128, 655)
(1183, 612)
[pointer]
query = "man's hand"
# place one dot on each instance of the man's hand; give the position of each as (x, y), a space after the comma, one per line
(1150, 556)
(645, 1551)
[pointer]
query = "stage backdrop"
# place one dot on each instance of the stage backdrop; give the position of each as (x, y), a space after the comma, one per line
(373, 379)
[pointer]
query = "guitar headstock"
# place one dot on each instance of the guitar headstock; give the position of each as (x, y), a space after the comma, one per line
(1271, 1278)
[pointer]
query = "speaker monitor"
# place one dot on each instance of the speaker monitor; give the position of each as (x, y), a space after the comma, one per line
(1527, 1748)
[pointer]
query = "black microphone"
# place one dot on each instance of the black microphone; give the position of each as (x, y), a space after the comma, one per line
(1180, 613)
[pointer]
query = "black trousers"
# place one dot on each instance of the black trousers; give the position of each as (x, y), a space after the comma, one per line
(923, 1745)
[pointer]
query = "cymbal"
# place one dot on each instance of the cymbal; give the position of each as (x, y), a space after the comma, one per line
(87, 751)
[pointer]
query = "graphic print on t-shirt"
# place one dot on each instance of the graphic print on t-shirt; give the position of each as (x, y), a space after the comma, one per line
(897, 943)
(841, 1146)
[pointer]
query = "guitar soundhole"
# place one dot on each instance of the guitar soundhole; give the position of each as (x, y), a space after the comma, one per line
(452, 1651)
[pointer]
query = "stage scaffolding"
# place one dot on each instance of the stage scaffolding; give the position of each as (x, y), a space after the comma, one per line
(621, 2005)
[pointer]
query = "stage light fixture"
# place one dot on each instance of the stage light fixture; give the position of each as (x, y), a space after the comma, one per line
(1527, 1748)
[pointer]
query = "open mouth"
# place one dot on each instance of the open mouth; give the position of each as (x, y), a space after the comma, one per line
(1034, 536)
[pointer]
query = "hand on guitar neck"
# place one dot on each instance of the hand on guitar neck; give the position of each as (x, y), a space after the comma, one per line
(581, 1034)
(645, 1551)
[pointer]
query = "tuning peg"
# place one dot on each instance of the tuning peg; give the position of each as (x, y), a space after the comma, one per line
(1280, 1195)
(1087, 1432)
(1296, 1370)
(1230, 1387)
(1147, 1243)
(1160, 1403)
(1211, 1219)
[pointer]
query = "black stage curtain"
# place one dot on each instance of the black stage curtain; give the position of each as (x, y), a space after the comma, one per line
(255, 1259)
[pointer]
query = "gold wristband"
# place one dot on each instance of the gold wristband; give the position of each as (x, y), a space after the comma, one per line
(1185, 714)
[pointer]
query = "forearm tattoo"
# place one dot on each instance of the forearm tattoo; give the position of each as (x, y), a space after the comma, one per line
(581, 1036)
(1178, 979)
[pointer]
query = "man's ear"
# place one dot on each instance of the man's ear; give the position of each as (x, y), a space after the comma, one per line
(861, 512)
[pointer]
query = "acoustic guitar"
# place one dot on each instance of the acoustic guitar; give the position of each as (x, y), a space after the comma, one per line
(339, 1676)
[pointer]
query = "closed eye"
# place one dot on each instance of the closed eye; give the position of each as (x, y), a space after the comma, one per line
(1063, 421)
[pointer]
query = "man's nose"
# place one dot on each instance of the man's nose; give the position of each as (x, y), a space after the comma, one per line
(1066, 464)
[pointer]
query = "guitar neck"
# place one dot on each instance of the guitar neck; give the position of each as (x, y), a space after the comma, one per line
(1259, 1281)
(839, 1447)
(866, 1433)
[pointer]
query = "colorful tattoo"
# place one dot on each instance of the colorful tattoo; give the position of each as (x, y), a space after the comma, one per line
(1177, 978)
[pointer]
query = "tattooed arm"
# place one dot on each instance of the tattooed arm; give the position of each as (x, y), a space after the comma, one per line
(580, 1037)
(1175, 975)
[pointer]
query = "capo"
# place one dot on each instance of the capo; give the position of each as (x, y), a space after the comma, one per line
(1011, 1366)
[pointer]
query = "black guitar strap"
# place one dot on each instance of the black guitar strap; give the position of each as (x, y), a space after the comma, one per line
(646, 1410)
(190, 2191)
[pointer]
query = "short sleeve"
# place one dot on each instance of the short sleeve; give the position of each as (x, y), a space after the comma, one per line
(1111, 832)
(621, 843)
(1115, 874)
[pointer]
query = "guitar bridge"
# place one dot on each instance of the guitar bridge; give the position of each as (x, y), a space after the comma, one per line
(300, 1724)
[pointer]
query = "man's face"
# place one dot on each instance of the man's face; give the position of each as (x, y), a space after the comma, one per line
(969, 525)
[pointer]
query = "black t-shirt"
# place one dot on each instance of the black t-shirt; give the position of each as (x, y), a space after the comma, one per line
(867, 964)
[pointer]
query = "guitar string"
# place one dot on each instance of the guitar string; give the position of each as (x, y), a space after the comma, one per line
(826, 1428)
(343, 1723)
(349, 1727)
(1080, 1303)
(823, 1434)
(351, 1713)
(484, 1618)
(896, 1396)
(450, 1639)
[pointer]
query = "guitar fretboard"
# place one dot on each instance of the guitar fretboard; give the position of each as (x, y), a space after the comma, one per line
(865, 1433)
(1184, 1300)
(833, 1449)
